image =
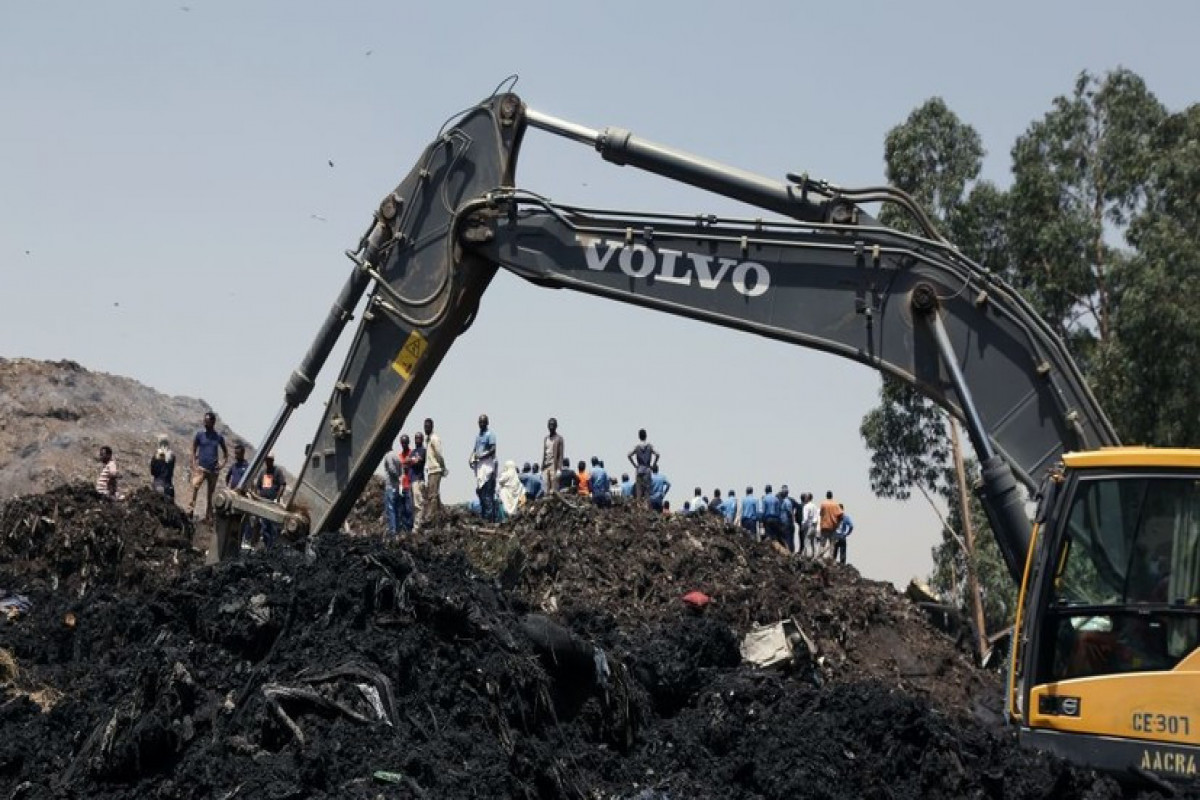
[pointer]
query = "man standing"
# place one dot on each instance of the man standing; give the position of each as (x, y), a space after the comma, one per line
(404, 518)
(209, 455)
(643, 457)
(435, 471)
(770, 510)
(567, 480)
(750, 513)
(393, 468)
(601, 491)
(787, 513)
(237, 469)
(659, 486)
(162, 468)
(553, 449)
(729, 507)
(583, 480)
(270, 486)
(106, 481)
(414, 466)
(483, 461)
(809, 524)
(831, 515)
(844, 529)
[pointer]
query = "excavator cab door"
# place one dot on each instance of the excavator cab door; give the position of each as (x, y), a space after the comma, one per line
(1111, 636)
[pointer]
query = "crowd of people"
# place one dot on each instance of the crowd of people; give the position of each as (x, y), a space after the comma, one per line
(209, 457)
(798, 526)
(413, 473)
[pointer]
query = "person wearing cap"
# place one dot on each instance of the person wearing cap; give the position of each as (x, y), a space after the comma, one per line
(269, 486)
(237, 467)
(162, 468)
(483, 462)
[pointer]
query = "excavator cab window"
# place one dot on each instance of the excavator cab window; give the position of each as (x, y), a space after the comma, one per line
(1125, 593)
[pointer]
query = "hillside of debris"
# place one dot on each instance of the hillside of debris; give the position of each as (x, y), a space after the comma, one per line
(55, 415)
(548, 657)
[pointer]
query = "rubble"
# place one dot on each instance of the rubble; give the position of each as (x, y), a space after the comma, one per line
(550, 657)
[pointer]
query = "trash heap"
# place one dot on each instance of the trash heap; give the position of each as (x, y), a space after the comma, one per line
(549, 657)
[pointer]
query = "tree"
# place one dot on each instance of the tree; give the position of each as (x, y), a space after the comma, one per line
(1150, 370)
(936, 158)
(1079, 178)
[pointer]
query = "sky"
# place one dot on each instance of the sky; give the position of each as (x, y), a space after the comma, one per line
(169, 212)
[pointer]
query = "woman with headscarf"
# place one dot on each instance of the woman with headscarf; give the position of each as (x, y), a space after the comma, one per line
(162, 468)
(512, 493)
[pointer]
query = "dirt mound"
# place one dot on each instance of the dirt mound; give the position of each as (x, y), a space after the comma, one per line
(55, 415)
(70, 540)
(364, 669)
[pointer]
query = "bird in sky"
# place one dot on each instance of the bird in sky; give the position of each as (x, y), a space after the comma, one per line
(317, 217)
(331, 162)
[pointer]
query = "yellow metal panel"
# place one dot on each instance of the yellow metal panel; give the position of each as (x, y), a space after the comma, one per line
(1154, 706)
(1110, 457)
(410, 354)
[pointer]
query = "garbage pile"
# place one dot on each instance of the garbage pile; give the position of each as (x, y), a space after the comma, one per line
(552, 657)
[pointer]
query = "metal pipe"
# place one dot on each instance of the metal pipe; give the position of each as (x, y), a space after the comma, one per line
(621, 147)
(562, 127)
(267, 444)
(975, 429)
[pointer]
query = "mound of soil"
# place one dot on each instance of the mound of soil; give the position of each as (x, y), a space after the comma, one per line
(546, 658)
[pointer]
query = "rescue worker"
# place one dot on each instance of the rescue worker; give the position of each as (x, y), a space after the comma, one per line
(729, 507)
(770, 511)
(553, 450)
(269, 486)
(209, 455)
(483, 462)
(643, 457)
(626, 485)
(698, 502)
(844, 529)
(601, 491)
(787, 513)
(750, 513)
(659, 486)
(106, 481)
(715, 504)
(162, 468)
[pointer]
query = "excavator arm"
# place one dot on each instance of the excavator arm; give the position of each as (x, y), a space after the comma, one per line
(826, 276)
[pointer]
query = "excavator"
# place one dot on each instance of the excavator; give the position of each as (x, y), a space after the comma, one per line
(1105, 668)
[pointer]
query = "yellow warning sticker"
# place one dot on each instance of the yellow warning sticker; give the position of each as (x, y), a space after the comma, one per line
(410, 354)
